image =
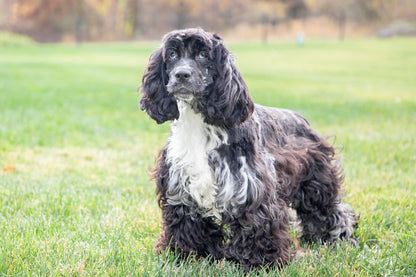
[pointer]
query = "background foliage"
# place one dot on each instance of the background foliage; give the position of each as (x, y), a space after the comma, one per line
(103, 20)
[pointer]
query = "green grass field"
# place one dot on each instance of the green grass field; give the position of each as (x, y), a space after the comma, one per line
(75, 152)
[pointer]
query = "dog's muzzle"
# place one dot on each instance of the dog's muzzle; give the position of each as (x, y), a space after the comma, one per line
(184, 82)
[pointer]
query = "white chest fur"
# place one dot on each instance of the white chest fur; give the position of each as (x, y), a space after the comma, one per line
(189, 147)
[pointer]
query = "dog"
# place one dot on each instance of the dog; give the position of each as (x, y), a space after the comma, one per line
(231, 169)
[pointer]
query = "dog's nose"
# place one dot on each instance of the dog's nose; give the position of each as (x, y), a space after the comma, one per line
(183, 74)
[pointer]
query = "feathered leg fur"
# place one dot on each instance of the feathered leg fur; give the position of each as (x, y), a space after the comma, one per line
(260, 237)
(318, 199)
(190, 234)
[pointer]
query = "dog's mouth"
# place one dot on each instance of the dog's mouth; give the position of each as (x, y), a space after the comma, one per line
(183, 94)
(186, 90)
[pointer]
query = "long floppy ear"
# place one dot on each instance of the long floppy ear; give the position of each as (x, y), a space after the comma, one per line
(229, 103)
(156, 101)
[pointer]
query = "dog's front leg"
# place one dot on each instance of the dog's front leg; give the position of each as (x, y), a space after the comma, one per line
(189, 233)
(260, 237)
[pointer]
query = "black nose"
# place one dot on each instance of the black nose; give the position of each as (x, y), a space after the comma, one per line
(183, 74)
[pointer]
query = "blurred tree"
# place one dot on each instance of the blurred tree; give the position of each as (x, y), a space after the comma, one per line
(273, 12)
(79, 20)
(132, 19)
(296, 8)
(182, 13)
(5, 13)
(368, 10)
(338, 11)
(44, 18)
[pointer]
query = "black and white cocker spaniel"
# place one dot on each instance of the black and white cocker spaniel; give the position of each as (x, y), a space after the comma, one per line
(232, 169)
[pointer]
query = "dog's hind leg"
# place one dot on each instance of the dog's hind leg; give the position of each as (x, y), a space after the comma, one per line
(318, 199)
(327, 224)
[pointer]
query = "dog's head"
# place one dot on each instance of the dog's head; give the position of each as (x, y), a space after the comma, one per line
(194, 66)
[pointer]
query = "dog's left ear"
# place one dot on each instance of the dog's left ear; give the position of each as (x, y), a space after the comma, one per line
(229, 103)
(156, 101)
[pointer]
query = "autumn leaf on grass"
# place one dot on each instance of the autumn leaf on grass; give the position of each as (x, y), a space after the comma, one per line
(9, 168)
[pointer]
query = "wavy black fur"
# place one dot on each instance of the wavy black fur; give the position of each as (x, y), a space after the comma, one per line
(232, 169)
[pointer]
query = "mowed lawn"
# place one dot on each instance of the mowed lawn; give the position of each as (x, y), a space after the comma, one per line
(75, 153)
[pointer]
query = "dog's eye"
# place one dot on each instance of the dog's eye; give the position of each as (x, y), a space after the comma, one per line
(172, 55)
(202, 55)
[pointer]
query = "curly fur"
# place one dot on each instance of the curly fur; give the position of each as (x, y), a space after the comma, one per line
(232, 169)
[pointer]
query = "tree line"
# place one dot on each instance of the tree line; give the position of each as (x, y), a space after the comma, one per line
(107, 20)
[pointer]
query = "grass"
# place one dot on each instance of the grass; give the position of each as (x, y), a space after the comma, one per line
(75, 150)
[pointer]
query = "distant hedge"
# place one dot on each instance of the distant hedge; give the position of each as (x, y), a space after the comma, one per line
(13, 40)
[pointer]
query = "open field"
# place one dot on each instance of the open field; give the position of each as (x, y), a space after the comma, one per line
(75, 151)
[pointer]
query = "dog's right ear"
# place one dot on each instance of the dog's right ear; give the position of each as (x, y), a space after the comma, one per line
(156, 101)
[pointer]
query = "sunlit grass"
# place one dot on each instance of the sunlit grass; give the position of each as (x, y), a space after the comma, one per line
(75, 152)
